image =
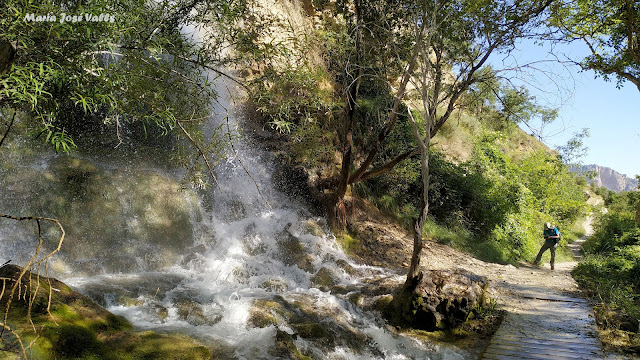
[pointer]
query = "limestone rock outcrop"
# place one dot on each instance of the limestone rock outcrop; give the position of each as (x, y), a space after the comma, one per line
(438, 300)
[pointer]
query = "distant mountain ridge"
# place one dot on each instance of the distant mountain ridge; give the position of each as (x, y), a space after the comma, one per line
(610, 178)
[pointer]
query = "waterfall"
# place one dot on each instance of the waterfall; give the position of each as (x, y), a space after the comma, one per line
(219, 265)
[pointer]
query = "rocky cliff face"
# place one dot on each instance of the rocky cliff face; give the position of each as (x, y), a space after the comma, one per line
(610, 178)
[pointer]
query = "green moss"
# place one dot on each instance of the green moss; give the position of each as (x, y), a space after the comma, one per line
(286, 348)
(350, 244)
(79, 328)
(151, 345)
(70, 341)
(64, 313)
(323, 279)
(263, 313)
(313, 228)
(311, 330)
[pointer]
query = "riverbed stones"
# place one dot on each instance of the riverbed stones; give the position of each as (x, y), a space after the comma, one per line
(195, 314)
(320, 324)
(438, 300)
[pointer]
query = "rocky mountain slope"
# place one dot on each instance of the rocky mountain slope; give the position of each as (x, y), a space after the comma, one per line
(610, 178)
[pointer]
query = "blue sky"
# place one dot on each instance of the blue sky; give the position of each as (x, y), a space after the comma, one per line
(612, 115)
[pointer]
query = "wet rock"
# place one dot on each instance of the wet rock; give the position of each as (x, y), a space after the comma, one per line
(154, 310)
(263, 313)
(252, 242)
(293, 252)
(274, 285)
(194, 254)
(356, 298)
(195, 314)
(324, 279)
(344, 265)
(233, 210)
(121, 288)
(321, 324)
(437, 300)
(312, 227)
(285, 348)
(380, 303)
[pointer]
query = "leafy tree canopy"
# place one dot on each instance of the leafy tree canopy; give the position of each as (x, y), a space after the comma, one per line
(138, 63)
(610, 29)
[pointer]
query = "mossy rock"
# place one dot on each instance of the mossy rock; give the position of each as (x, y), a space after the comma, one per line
(311, 330)
(293, 252)
(324, 279)
(194, 313)
(312, 227)
(274, 285)
(308, 321)
(285, 348)
(263, 313)
(437, 300)
(77, 327)
(344, 265)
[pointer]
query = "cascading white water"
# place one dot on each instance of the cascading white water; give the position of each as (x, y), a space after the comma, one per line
(207, 279)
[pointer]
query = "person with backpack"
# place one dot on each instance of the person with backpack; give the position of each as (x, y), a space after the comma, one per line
(551, 240)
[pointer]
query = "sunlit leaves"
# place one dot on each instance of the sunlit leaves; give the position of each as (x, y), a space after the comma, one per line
(610, 30)
(139, 68)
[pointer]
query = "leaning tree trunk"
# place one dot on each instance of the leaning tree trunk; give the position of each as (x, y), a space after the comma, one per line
(418, 223)
(336, 207)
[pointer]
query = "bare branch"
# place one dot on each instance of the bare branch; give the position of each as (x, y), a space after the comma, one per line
(8, 128)
(200, 151)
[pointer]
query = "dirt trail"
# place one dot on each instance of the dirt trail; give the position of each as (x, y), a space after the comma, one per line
(547, 317)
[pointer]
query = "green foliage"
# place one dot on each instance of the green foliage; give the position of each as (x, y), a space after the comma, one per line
(493, 205)
(611, 269)
(610, 29)
(612, 230)
(575, 149)
(74, 76)
(294, 97)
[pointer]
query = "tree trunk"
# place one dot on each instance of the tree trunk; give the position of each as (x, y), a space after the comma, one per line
(7, 55)
(418, 223)
(638, 213)
(336, 208)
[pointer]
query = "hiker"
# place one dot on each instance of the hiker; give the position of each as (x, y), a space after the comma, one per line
(551, 240)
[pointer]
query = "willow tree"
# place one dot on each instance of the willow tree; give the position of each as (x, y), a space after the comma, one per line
(69, 63)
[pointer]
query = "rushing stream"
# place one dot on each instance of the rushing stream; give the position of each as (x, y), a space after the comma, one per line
(219, 265)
